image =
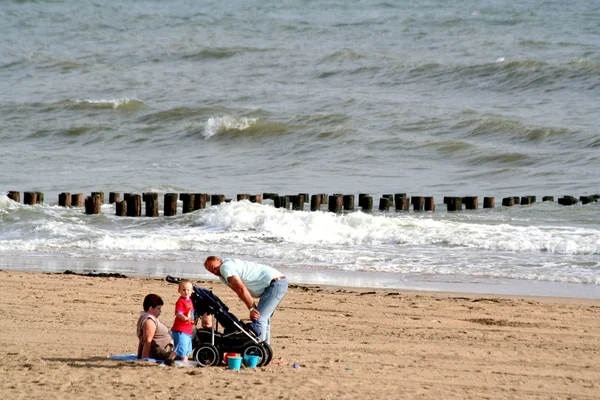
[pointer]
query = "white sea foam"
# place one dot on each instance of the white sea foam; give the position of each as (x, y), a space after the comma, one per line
(217, 125)
(408, 244)
(124, 103)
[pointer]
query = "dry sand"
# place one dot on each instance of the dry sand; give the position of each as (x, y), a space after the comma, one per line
(57, 330)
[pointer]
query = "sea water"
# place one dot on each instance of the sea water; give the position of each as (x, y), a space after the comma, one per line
(426, 98)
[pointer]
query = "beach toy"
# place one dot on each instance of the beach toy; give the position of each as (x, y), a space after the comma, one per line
(251, 361)
(227, 355)
(234, 363)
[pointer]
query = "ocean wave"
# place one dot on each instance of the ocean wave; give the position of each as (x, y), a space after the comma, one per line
(125, 104)
(227, 125)
(218, 53)
(504, 74)
(502, 129)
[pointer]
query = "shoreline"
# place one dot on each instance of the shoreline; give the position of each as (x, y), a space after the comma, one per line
(309, 276)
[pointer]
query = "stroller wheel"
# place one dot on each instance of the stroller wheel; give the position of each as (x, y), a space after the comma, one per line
(257, 350)
(206, 355)
(269, 353)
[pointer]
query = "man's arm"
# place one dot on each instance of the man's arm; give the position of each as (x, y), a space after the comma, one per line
(236, 284)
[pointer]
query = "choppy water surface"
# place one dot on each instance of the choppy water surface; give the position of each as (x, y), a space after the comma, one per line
(427, 98)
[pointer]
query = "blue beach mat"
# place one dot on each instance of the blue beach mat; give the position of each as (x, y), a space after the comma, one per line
(133, 357)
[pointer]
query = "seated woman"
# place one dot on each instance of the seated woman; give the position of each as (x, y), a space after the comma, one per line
(154, 338)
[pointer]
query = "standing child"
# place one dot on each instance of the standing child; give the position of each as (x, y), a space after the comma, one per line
(184, 322)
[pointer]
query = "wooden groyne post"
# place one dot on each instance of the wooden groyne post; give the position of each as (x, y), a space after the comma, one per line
(348, 202)
(418, 203)
(93, 204)
(336, 203)
(384, 203)
(64, 199)
(188, 202)
(30, 198)
(402, 202)
(14, 196)
(200, 201)
(454, 204)
(114, 197)
(134, 204)
(488, 202)
(315, 202)
(77, 200)
(429, 203)
(170, 204)
(151, 200)
(471, 202)
(121, 208)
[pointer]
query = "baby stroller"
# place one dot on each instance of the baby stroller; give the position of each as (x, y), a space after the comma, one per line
(209, 345)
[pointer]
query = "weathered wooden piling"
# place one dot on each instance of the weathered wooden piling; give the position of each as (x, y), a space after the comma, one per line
(588, 199)
(134, 205)
(336, 203)
(270, 196)
(297, 201)
(30, 198)
(527, 200)
(151, 201)
(64, 199)
(471, 202)
(508, 201)
(200, 201)
(216, 199)
(517, 199)
(548, 198)
(256, 198)
(402, 203)
(188, 202)
(398, 198)
(567, 201)
(489, 202)
(315, 202)
(390, 197)
(454, 204)
(170, 205)
(242, 196)
(360, 197)
(282, 202)
(121, 208)
(384, 204)
(101, 194)
(418, 203)
(93, 204)
(366, 203)
(429, 203)
(348, 202)
(40, 197)
(77, 200)
(306, 197)
(324, 198)
(114, 197)
(14, 196)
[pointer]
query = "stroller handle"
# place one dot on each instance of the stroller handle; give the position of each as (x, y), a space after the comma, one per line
(172, 279)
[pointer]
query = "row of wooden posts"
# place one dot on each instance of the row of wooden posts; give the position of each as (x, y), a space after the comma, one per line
(131, 205)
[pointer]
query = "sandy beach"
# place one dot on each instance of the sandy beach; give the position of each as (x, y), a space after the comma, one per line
(57, 331)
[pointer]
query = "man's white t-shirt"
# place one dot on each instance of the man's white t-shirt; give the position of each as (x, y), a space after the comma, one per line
(256, 277)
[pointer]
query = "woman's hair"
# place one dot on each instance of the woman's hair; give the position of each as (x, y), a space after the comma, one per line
(152, 300)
